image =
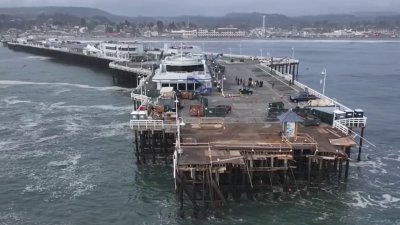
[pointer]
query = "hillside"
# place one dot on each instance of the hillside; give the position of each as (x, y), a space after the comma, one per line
(71, 15)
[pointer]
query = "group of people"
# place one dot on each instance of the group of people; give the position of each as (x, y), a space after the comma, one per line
(250, 82)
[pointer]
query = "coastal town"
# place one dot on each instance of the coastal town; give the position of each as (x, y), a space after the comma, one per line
(187, 30)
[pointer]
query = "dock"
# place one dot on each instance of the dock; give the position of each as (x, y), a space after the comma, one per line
(218, 158)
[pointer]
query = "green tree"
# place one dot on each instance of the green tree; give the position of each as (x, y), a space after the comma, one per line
(160, 26)
(83, 22)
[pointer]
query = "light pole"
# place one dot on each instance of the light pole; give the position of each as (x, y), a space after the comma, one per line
(323, 85)
(222, 85)
(261, 50)
(145, 88)
(179, 123)
(292, 53)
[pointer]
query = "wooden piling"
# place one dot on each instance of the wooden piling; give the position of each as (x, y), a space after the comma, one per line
(361, 143)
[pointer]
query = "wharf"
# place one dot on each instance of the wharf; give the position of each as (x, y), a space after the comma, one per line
(124, 73)
(216, 159)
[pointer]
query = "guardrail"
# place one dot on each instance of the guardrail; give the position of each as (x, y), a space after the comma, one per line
(151, 125)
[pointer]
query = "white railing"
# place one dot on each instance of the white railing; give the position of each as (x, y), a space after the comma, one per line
(151, 125)
(343, 128)
(114, 65)
(353, 122)
(344, 124)
(139, 97)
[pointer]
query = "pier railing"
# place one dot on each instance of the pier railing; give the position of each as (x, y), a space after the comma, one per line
(139, 97)
(151, 125)
(115, 65)
(304, 87)
(344, 124)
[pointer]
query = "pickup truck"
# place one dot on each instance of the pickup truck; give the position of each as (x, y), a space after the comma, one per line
(302, 97)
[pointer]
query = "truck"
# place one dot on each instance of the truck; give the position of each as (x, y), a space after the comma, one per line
(302, 97)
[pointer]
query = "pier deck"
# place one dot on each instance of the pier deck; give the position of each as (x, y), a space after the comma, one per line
(246, 127)
(244, 152)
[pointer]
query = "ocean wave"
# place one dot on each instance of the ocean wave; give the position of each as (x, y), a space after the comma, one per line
(111, 130)
(71, 161)
(110, 88)
(44, 139)
(375, 166)
(364, 200)
(12, 100)
(60, 105)
(38, 57)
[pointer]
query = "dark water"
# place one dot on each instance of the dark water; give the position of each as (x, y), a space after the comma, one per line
(66, 155)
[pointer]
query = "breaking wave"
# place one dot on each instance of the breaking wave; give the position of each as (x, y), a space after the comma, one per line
(110, 88)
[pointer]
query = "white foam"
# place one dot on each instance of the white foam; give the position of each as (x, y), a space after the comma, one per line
(13, 100)
(7, 145)
(112, 129)
(102, 107)
(71, 161)
(375, 166)
(15, 82)
(60, 91)
(360, 201)
(324, 216)
(392, 157)
(390, 199)
(38, 57)
(43, 139)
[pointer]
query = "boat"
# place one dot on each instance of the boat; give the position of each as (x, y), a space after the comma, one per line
(184, 72)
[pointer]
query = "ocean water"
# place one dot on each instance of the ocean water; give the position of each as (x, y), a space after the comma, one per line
(66, 153)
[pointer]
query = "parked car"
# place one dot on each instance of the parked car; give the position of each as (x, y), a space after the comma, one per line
(302, 97)
(245, 91)
(227, 108)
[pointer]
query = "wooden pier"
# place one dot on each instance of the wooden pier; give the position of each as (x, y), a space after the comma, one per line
(219, 159)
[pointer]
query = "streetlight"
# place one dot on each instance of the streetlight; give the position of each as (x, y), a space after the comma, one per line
(261, 50)
(145, 88)
(222, 85)
(179, 123)
(323, 85)
(292, 53)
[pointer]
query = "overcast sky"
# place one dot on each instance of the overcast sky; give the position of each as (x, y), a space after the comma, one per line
(218, 7)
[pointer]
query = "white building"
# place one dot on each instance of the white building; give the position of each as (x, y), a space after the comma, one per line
(221, 32)
(184, 33)
(121, 50)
